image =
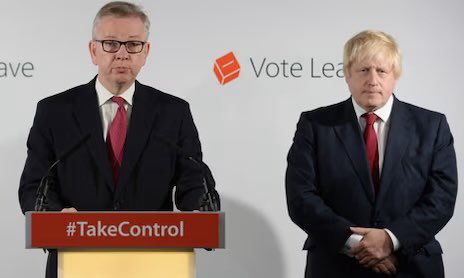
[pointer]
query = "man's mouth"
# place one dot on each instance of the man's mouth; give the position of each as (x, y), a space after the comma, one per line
(121, 69)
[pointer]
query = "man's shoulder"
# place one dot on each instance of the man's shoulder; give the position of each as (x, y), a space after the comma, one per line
(160, 96)
(417, 112)
(334, 111)
(65, 97)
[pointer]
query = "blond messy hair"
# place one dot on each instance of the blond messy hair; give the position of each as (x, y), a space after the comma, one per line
(369, 44)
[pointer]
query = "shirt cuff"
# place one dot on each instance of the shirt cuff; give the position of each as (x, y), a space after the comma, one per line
(394, 239)
(350, 242)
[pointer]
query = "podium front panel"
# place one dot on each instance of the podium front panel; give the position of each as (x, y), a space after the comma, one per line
(55, 230)
(124, 263)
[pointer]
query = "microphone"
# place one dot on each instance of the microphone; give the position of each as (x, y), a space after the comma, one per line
(210, 200)
(47, 181)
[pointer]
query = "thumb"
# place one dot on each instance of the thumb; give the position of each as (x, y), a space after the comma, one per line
(71, 209)
(359, 230)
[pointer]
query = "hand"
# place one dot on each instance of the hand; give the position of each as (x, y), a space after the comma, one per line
(69, 210)
(375, 246)
(387, 266)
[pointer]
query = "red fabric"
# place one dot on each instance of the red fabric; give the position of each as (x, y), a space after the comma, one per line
(117, 137)
(370, 139)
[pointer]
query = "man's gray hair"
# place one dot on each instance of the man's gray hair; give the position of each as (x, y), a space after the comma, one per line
(121, 9)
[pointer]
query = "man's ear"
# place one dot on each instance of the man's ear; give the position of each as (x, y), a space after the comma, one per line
(93, 52)
(146, 50)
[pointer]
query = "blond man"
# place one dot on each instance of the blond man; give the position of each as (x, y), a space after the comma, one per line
(372, 179)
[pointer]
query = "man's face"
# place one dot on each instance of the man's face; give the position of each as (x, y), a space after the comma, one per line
(371, 82)
(117, 71)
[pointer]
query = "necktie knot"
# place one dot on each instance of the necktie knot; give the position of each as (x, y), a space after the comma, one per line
(119, 101)
(370, 118)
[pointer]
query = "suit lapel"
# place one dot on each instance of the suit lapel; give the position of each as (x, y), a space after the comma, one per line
(141, 122)
(349, 134)
(398, 134)
(87, 115)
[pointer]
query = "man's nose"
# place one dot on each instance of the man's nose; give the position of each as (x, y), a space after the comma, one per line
(122, 53)
(372, 78)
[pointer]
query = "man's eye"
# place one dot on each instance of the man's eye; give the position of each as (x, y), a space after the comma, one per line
(112, 44)
(133, 44)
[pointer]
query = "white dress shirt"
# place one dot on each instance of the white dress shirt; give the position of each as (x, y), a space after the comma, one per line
(381, 127)
(108, 107)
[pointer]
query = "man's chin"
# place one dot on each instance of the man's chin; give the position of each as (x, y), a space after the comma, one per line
(123, 80)
(372, 104)
(119, 85)
(375, 105)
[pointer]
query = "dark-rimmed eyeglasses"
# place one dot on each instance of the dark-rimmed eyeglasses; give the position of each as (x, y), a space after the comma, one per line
(113, 46)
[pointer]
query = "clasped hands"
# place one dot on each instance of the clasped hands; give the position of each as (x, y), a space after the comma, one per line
(375, 250)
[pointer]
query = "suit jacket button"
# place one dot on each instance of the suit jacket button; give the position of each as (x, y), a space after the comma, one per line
(116, 205)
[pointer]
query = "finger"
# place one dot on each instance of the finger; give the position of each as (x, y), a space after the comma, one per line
(359, 230)
(384, 269)
(365, 257)
(363, 260)
(364, 254)
(369, 262)
(69, 210)
(390, 266)
(393, 270)
(389, 263)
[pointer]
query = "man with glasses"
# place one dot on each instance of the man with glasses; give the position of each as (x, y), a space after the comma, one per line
(117, 129)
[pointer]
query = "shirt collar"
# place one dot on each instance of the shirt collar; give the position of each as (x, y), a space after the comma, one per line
(383, 112)
(104, 95)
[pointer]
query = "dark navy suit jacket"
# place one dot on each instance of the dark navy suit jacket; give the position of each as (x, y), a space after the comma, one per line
(329, 187)
(150, 168)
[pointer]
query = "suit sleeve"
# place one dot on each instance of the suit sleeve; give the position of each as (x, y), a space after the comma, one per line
(188, 176)
(40, 155)
(436, 205)
(305, 205)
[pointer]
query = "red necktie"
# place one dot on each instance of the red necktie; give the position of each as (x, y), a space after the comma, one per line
(117, 137)
(370, 139)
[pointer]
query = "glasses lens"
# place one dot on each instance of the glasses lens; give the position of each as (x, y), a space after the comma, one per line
(111, 46)
(134, 46)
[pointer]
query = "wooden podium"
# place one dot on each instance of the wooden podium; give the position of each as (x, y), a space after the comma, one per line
(125, 244)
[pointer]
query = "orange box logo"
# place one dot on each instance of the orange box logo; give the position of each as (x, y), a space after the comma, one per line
(226, 68)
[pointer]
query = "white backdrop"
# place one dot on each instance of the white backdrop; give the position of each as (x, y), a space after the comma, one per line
(246, 126)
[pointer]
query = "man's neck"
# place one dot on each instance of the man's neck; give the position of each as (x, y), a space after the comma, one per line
(116, 89)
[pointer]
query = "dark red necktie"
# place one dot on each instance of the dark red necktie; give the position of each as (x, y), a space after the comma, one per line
(117, 137)
(370, 139)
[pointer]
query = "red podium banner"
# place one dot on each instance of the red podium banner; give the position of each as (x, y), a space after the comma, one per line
(125, 229)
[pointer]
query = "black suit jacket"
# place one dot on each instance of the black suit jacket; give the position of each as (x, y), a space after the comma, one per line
(329, 186)
(150, 168)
